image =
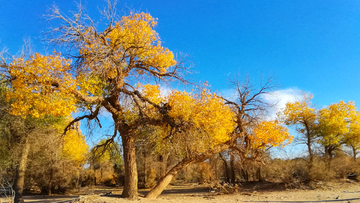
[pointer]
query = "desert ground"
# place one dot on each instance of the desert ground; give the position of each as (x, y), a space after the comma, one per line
(340, 191)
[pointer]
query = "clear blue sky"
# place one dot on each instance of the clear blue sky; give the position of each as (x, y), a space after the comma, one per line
(309, 45)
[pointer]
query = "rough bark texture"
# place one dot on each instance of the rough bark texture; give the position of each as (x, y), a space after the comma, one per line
(145, 167)
(131, 178)
(232, 164)
(165, 180)
(195, 158)
(20, 176)
(226, 167)
(354, 152)
(308, 143)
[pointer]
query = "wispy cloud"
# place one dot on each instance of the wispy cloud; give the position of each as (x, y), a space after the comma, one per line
(279, 98)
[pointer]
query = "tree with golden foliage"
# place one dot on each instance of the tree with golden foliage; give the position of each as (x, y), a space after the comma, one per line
(334, 124)
(304, 117)
(352, 138)
(100, 74)
(269, 133)
(202, 127)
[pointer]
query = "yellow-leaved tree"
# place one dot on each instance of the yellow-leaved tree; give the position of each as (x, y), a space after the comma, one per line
(102, 72)
(75, 146)
(269, 133)
(352, 138)
(201, 126)
(303, 117)
(334, 123)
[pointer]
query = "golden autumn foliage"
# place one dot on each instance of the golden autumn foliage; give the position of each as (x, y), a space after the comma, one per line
(300, 112)
(352, 138)
(134, 36)
(74, 146)
(47, 85)
(204, 110)
(269, 133)
(33, 89)
(335, 121)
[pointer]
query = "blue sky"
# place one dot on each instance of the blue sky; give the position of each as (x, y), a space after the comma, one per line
(308, 45)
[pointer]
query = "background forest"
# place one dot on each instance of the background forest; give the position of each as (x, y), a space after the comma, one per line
(184, 134)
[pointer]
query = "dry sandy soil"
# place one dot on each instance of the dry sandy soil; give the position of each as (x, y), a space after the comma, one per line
(342, 191)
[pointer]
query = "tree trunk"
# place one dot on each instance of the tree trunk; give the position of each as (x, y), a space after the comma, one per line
(310, 152)
(165, 180)
(131, 178)
(328, 155)
(308, 143)
(50, 181)
(354, 152)
(226, 167)
(145, 168)
(20, 176)
(232, 164)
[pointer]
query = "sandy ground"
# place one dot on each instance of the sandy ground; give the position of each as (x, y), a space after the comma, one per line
(343, 191)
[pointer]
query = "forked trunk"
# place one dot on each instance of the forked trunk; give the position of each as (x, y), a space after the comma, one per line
(164, 181)
(20, 176)
(226, 168)
(131, 177)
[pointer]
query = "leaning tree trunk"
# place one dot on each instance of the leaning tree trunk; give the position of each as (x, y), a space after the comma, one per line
(131, 177)
(20, 176)
(165, 180)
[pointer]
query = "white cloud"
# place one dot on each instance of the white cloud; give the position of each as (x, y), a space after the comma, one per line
(279, 98)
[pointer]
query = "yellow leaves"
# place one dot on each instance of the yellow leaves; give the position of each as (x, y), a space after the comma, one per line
(90, 84)
(205, 111)
(75, 146)
(269, 133)
(132, 37)
(334, 121)
(151, 92)
(300, 111)
(36, 89)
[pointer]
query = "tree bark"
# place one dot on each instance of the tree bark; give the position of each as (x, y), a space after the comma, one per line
(20, 176)
(131, 177)
(226, 167)
(232, 165)
(354, 152)
(145, 167)
(308, 143)
(165, 180)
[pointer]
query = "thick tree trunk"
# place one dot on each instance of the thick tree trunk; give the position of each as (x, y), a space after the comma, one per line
(232, 164)
(20, 176)
(226, 167)
(131, 177)
(145, 168)
(328, 155)
(165, 180)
